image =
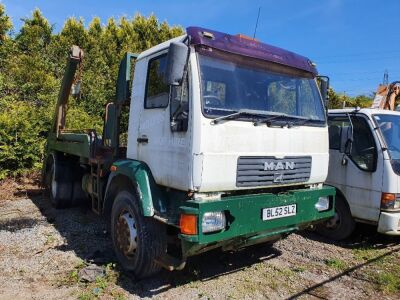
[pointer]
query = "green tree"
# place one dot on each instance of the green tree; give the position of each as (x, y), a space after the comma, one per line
(32, 65)
(5, 24)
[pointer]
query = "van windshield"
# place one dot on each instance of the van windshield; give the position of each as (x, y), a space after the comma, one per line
(232, 83)
(389, 126)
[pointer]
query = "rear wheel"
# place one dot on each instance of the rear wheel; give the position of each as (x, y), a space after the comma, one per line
(63, 190)
(341, 225)
(138, 241)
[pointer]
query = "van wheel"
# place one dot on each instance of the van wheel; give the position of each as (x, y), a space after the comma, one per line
(137, 240)
(60, 187)
(341, 225)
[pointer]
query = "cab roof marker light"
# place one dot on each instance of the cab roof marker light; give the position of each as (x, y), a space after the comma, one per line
(207, 34)
(243, 36)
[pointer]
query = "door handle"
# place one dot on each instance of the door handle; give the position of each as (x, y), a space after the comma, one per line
(143, 139)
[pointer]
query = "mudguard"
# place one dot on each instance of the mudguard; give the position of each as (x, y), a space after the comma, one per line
(139, 175)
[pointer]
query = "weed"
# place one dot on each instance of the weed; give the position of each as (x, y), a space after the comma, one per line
(50, 239)
(299, 269)
(336, 263)
(389, 282)
(365, 253)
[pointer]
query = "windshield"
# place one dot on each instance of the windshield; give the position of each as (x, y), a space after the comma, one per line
(389, 126)
(232, 83)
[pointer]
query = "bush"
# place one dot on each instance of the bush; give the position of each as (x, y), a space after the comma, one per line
(22, 131)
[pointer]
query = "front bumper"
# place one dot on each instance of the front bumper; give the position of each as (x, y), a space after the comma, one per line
(244, 218)
(389, 223)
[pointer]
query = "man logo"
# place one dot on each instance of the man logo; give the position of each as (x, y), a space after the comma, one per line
(278, 177)
(272, 166)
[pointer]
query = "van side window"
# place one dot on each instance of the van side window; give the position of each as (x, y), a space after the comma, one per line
(336, 124)
(157, 91)
(363, 151)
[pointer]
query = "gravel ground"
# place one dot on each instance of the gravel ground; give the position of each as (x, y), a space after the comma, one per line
(43, 249)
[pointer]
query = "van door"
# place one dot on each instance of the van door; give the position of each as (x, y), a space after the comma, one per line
(165, 148)
(357, 175)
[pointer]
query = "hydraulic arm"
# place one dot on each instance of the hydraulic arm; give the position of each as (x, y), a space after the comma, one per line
(74, 59)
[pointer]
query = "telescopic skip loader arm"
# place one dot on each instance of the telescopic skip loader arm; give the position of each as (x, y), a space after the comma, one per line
(85, 143)
(83, 146)
(74, 60)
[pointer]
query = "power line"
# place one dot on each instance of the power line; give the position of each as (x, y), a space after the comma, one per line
(357, 60)
(357, 54)
(357, 72)
(355, 79)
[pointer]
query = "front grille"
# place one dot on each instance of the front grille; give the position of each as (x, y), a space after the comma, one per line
(269, 170)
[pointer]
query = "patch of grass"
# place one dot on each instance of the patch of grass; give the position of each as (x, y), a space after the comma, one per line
(72, 277)
(336, 264)
(366, 253)
(299, 269)
(103, 287)
(50, 239)
(389, 281)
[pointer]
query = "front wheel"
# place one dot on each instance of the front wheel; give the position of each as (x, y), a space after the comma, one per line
(138, 241)
(341, 225)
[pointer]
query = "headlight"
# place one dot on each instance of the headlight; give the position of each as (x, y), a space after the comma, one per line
(390, 201)
(213, 221)
(322, 204)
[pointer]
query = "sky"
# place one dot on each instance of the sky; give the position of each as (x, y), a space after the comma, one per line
(352, 41)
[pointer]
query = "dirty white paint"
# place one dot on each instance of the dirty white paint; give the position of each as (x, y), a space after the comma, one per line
(205, 157)
(362, 190)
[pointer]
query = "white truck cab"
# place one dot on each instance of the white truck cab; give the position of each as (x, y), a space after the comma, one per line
(364, 167)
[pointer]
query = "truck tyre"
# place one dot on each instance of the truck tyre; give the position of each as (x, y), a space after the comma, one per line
(341, 225)
(137, 240)
(59, 185)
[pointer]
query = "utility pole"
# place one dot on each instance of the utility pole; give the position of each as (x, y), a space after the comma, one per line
(344, 99)
(386, 78)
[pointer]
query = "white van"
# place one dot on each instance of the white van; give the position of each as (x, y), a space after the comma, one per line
(364, 167)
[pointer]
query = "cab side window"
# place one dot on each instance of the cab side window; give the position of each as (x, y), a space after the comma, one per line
(336, 125)
(157, 91)
(363, 151)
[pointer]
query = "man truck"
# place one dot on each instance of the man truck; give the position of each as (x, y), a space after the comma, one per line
(227, 146)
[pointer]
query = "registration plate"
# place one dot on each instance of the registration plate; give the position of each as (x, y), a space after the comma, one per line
(278, 212)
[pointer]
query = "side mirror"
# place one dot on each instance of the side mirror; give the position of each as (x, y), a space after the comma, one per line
(176, 62)
(346, 140)
(324, 87)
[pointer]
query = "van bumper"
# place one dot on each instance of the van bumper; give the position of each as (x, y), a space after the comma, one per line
(389, 223)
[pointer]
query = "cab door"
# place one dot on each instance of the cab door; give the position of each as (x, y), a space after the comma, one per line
(358, 174)
(163, 142)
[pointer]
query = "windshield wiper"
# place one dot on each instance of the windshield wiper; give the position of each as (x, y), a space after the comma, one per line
(234, 115)
(265, 117)
(295, 120)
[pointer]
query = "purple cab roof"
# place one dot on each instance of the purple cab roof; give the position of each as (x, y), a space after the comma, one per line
(247, 47)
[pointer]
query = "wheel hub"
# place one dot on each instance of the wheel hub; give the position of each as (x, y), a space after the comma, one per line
(127, 234)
